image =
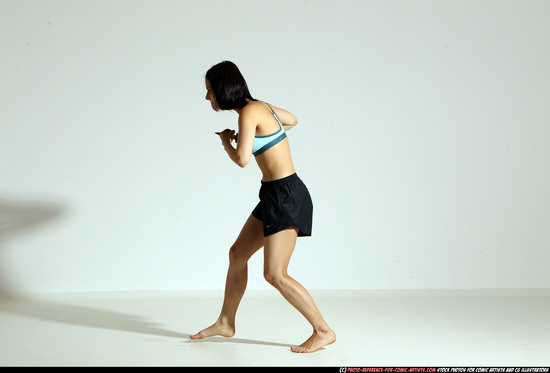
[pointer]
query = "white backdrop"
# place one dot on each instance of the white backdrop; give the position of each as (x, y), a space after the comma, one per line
(423, 137)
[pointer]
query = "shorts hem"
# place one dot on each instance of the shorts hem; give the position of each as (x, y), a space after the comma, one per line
(285, 227)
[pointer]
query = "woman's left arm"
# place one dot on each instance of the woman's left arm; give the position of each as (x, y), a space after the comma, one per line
(288, 119)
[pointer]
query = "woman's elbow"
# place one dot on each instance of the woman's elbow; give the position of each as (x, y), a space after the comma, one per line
(294, 122)
(290, 125)
(242, 161)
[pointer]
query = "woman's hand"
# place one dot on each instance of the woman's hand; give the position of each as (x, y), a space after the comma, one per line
(227, 136)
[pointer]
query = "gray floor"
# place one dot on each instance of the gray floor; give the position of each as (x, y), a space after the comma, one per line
(374, 328)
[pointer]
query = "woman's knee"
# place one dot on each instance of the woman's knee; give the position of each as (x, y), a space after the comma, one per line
(238, 255)
(275, 277)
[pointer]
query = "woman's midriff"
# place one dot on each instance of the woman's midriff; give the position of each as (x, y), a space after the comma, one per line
(276, 163)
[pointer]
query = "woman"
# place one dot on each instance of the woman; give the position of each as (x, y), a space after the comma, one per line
(285, 208)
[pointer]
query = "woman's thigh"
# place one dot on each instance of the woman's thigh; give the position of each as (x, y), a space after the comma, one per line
(250, 239)
(278, 250)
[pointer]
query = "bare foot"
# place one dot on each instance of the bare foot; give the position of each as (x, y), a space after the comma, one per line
(218, 328)
(317, 341)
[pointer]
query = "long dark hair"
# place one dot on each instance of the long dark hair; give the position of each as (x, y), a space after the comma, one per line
(229, 86)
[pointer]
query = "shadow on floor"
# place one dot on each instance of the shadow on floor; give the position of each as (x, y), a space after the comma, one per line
(81, 316)
(46, 310)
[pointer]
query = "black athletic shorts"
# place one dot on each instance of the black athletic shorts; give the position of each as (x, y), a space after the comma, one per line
(285, 203)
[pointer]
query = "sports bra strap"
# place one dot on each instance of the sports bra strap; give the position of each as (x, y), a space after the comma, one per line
(273, 112)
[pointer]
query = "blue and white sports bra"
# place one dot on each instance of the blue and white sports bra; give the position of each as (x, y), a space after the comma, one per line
(263, 143)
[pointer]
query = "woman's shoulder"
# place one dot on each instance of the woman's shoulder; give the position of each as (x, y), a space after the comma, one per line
(255, 108)
(258, 104)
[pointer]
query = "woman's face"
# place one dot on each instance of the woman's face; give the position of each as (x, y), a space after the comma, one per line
(210, 96)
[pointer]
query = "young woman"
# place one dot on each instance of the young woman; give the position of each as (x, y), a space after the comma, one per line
(283, 214)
